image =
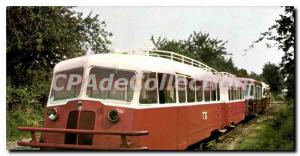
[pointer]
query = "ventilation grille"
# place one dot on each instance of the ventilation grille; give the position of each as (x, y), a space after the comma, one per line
(86, 120)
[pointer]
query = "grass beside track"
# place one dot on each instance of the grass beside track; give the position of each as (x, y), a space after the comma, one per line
(276, 133)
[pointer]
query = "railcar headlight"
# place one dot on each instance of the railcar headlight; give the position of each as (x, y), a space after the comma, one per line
(113, 116)
(52, 114)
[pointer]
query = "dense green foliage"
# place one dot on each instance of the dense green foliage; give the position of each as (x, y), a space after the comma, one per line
(200, 46)
(37, 39)
(40, 37)
(272, 76)
(275, 133)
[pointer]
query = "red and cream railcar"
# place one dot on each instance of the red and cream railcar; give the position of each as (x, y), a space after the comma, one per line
(186, 103)
(253, 96)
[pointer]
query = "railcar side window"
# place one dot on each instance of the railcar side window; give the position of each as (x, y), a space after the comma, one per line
(232, 93)
(149, 88)
(236, 93)
(251, 90)
(229, 93)
(206, 91)
(167, 90)
(218, 92)
(66, 84)
(247, 90)
(182, 84)
(190, 90)
(241, 93)
(255, 93)
(111, 83)
(199, 90)
(213, 92)
(260, 92)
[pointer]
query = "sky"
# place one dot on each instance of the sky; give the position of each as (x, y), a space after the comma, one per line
(132, 28)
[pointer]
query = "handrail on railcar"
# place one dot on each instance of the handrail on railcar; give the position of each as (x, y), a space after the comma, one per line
(181, 58)
(226, 74)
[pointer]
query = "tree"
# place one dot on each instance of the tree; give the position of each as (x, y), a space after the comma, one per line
(272, 76)
(283, 34)
(242, 73)
(40, 37)
(255, 76)
(199, 46)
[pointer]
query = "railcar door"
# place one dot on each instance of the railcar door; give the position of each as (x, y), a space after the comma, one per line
(224, 114)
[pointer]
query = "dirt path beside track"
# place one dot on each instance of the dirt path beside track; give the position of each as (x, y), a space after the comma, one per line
(12, 146)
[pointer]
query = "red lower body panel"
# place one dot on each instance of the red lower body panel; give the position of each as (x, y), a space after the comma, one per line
(175, 128)
(170, 127)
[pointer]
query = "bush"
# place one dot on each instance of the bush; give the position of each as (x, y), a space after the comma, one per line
(275, 134)
(22, 116)
(277, 97)
(24, 108)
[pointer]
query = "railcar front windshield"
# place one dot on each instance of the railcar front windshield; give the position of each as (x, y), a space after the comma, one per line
(66, 84)
(111, 84)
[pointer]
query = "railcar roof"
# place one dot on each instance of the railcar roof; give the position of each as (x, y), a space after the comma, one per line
(141, 63)
(132, 62)
(249, 80)
(264, 85)
(246, 79)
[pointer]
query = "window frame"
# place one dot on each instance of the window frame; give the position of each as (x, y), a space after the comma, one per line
(51, 102)
(213, 88)
(158, 86)
(202, 89)
(187, 86)
(118, 102)
(251, 92)
(218, 92)
(177, 82)
(140, 89)
(178, 103)
(209, 86)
